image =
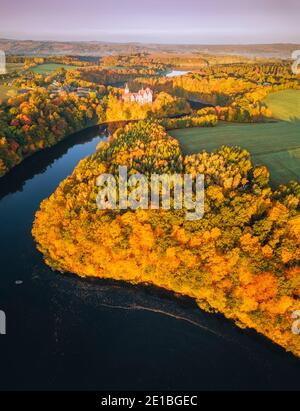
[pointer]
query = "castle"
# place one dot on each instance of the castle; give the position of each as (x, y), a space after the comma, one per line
(141, 97)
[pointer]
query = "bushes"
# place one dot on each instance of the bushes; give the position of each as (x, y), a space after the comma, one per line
(209, 120)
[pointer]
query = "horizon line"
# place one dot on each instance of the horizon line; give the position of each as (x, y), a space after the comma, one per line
(150, 43)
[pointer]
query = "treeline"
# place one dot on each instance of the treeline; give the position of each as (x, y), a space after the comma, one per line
(259, 73)
(110, 76)
(200, 120)
(191, 61)
(134, 61)
(242, 259)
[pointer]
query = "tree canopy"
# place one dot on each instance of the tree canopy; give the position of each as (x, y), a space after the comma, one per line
(241, 259)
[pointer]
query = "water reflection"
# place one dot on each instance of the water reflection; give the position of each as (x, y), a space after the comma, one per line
(38, 162)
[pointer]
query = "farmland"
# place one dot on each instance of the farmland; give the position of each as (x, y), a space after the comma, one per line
(285, 105)
(276, 145)
(51, 67)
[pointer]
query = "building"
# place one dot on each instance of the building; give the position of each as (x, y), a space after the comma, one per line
(143, 96)
(83, 91)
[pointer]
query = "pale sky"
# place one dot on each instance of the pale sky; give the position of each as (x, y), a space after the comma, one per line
(160, 21)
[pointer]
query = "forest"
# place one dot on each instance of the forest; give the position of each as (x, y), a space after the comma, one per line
(241, 259)
(34, 121)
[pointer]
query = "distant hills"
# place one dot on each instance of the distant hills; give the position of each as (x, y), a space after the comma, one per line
(98, 48)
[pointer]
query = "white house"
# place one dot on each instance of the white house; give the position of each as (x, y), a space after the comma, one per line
(143, 96)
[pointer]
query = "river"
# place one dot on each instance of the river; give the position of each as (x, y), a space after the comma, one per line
(64, 332)
(177, 73)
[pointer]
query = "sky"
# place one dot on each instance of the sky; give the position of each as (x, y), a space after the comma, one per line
(155, 21)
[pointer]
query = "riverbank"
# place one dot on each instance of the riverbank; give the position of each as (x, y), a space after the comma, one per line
(89, 125)
(111, 126)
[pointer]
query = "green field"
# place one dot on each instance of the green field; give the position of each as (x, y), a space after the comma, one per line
(51, 67)
(285, 105)
(277, 145)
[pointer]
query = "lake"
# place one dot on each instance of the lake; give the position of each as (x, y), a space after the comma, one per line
(64, 332)
(176, 73)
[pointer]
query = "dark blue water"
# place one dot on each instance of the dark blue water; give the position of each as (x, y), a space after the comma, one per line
(68, 333)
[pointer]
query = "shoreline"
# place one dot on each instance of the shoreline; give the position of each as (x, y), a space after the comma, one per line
(163, 292)
(90, 126)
